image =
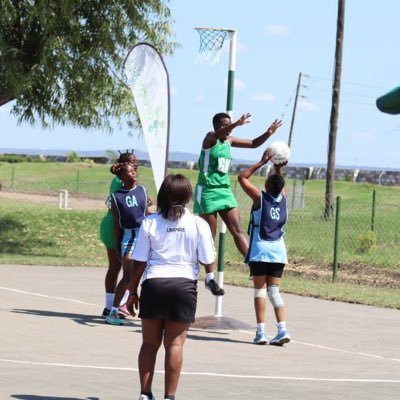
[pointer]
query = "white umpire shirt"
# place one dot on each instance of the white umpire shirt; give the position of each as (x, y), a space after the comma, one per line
(173, 248)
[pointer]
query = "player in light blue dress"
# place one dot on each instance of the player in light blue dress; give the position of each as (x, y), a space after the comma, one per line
(267, 254)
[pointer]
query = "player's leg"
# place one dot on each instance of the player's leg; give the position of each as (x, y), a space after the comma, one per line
(211, 219)
(174, 338)
(274, 295)
(152, 332)
(114, 266)
(211, 284)
(231, 217)
(114, 317)
(258, 272)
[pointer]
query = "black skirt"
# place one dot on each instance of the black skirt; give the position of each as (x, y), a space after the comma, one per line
(173, 299)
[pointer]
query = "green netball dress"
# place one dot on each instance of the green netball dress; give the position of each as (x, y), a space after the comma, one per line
(107, 223)
(213, 190)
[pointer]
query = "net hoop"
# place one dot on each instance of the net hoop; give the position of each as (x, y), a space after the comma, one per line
(211, 44)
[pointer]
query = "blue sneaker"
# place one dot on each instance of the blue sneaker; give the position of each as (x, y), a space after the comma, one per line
(280, 339)
(113, 318)
(260, 337)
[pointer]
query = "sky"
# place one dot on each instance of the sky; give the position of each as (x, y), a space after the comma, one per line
(276, 40)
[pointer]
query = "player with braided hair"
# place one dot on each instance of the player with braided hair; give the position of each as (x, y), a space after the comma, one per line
(129, 206)
(107, 237)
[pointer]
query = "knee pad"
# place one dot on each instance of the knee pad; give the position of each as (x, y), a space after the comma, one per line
(260, 293)
(275, 297)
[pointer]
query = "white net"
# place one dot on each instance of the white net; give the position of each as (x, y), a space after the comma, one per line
(211, 43)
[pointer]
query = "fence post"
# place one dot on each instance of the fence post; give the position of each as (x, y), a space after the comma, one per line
(294, 194)
(63, 198)
(336, 240)
(77, 182)
(12, 176)
(373, 210)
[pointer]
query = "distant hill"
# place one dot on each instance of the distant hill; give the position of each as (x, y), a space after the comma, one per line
(173, 156)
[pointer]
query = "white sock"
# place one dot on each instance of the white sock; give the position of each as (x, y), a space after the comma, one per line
(114, 309)
(209, 276)
(125, 298)
(109, 300)
(261, 326)
(281, 326)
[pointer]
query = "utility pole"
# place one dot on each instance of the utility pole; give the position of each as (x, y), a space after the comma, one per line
(330, 170)
(299, 85)
(294, 109)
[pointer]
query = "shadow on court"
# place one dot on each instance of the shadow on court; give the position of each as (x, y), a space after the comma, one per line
(36, 397)
(55, 346)
(82, 319)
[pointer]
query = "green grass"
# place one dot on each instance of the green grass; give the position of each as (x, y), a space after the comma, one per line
(36, 234)
(350, 293)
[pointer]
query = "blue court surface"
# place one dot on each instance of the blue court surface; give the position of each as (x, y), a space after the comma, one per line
(55, 346)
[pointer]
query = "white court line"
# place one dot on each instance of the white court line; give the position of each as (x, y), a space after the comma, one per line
(240, 330)
(47, 296)
(336, 349)
(212, 374)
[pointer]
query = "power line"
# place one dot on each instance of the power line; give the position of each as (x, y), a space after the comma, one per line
(348, 82)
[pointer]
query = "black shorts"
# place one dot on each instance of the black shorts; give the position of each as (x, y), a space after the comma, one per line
(258, 268)
(172, 299)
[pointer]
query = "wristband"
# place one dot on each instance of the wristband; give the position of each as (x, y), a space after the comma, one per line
(132, 293)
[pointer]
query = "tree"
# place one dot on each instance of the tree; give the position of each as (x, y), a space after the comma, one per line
(73, 157)
(61, 61)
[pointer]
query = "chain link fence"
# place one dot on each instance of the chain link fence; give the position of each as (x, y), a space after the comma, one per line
(365, 231)
(367, 225)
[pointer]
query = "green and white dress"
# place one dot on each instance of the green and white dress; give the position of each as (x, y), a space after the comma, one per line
(213, 190)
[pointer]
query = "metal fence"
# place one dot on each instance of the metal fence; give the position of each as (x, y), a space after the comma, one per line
(366, 230)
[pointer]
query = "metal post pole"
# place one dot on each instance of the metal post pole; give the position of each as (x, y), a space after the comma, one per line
(336, 240)
(294, 110)
(222, 226)
(373, 210)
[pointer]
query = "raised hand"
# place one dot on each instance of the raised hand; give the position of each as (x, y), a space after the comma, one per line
(244, 119)
(274, 126)
(266, 157)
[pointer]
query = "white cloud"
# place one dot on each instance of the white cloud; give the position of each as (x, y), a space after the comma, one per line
(307, 106)
(276, 30)
(240, 47)
(363, 135)
(239, 84)
(200, 98)
(263, 96)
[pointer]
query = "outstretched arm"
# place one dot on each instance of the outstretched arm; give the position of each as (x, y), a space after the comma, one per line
(278, 171)
(258, 141)
(212, 137)
(252, 191)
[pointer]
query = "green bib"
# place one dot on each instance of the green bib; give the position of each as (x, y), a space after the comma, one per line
(214, 165)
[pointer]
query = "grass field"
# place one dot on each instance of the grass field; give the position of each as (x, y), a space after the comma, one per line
(35, 234)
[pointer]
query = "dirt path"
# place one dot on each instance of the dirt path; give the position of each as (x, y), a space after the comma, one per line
(52, 200)
(349, 273)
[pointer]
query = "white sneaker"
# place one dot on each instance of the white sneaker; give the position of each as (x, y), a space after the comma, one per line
(145, 397)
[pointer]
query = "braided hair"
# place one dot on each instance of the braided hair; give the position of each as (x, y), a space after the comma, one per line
(127, 156)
